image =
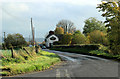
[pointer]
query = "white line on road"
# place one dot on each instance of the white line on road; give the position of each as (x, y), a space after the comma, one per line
(66, 74)
(57, 73)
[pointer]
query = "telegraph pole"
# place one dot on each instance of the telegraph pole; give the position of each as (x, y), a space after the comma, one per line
(33, 38)
(29, 38)
(4, 37)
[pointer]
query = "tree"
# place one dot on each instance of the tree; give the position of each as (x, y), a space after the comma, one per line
(67, 38)
(78, 38)
(97, 37)
(112, 14)
(92, 24)
(15, 40)
(77, 32)
(67, 25)
(59, 30)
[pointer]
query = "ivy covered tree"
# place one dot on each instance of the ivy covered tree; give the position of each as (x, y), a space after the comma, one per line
(111, 11)
(92, 24)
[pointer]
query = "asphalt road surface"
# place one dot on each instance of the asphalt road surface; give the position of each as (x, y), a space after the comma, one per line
(77, 66)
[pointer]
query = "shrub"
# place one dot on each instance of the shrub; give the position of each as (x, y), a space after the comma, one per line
(78, 39)
(98, 37)
(16, 40)
(67, 38)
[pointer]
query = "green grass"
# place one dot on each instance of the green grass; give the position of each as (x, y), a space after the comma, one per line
(6, 53)
(101, 53)
(40, 61)
(36, 64)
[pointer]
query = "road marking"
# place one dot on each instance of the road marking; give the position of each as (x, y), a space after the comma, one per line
(57, 73)
(66, 73)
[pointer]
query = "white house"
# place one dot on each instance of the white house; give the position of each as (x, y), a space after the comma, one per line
(50, 39)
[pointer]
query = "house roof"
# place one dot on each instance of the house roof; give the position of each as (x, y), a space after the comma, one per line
(60, 36)
(48, 36)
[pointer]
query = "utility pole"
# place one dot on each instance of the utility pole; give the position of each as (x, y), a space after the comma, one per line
(4, 37)
(33, 38)
(29, 39)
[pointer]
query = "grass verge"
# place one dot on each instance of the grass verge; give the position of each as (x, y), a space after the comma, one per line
(41, 61)
(83, 50)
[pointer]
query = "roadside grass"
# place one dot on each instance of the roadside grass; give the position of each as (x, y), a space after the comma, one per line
(6, 53)
(103, 54)
(13, 66)
(102, 51)
(36, 64)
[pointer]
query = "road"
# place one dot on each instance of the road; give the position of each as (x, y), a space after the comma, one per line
(77, 66)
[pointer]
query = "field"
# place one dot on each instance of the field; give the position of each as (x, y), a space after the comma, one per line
(24, 62)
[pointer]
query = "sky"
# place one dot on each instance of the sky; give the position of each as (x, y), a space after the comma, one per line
(16, 14)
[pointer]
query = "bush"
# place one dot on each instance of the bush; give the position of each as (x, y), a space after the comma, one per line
(98, 51)
(67, 38)
(15, 40)
(86, 46)
(78, 39)
(97, 37)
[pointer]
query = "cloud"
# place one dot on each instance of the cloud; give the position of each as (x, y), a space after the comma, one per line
(75, 2)
(72, 2)
(46, 14)
(15, 7)
(14, 10)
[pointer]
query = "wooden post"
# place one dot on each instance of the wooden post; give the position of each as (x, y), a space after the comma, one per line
(36, 48)
(33, 39)
(12, 52)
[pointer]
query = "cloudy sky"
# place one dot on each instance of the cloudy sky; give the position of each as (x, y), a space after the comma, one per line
(46, 14)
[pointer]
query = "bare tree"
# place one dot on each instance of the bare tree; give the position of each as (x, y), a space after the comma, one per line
(67, 25)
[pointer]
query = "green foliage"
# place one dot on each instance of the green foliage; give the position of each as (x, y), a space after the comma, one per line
(88, 50)
(77, 32)
(59, 30)
(101, 53)
(15, 40)
(81, 48)
(112, 14)
(78, 38)
(97, 37)
(92, 24)
(67, 38)
(7, 53)
(103, 48)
